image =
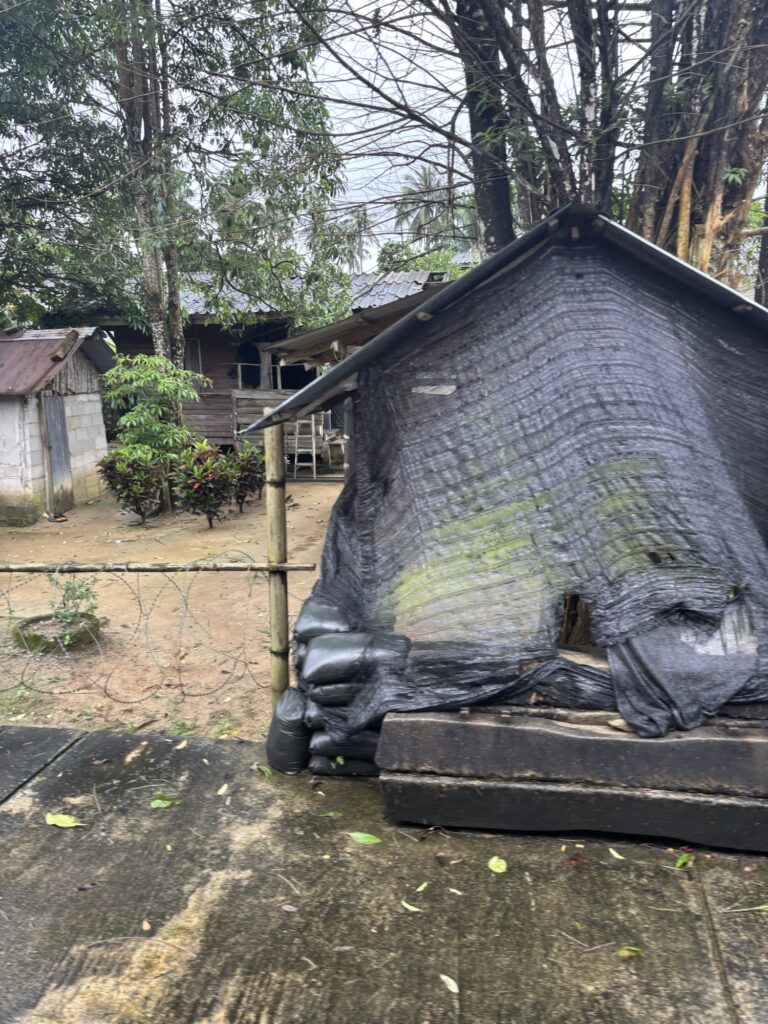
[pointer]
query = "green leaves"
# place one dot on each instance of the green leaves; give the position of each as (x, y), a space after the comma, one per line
(160, 801)
(498, 865)
(265, 770)
(626, 952)
(364, 838)
(63, 821)
(683, 860)
(331, 814)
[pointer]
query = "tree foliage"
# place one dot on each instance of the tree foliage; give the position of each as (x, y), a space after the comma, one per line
(143, 141)
(149, 391)
(654, 111)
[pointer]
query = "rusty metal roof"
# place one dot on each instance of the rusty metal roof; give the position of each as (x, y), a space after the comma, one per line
(30, 359)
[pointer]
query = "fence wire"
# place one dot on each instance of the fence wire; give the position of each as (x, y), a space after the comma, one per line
(179, 637)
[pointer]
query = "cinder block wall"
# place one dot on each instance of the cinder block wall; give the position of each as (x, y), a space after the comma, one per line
(22, 471)
(87, 444)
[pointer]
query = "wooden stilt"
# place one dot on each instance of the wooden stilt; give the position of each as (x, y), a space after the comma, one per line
(276, 555)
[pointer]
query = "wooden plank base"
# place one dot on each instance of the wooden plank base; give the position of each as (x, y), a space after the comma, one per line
(734, 822)
(725, 759)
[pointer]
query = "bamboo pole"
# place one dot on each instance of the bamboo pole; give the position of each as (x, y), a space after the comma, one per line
(75, 567)
(277, 547)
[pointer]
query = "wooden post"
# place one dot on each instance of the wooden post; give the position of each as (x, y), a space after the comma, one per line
(276, 554)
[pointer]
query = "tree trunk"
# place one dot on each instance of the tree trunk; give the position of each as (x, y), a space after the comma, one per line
(479, 55)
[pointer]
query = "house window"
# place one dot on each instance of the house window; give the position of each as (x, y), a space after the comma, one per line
(192, 358)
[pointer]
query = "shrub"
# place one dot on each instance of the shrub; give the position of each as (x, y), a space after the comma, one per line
(203, 480)
(149, 391)
(248, 469)
(134, 474)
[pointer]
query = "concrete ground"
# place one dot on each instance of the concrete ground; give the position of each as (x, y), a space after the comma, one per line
(244, 900)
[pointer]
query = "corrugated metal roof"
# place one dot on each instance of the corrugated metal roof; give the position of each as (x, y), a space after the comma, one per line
(368, 290)
(29, 359)
(573, 217)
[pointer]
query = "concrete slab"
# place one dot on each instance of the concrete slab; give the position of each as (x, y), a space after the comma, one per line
(247, 903)
(24, 752)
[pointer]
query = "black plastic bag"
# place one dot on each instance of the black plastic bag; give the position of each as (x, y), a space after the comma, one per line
(342, 656)
(317, 617)
(333, 694)
(288, 736)
(361, 746)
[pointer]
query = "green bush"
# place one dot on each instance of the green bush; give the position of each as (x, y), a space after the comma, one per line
(248, 469)
(134, 474)
(203, 480)
(149, 391)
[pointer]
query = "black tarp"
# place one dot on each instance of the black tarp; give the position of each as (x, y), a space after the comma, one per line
(582, 424)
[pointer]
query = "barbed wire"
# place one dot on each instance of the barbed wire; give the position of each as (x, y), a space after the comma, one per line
(186, 634)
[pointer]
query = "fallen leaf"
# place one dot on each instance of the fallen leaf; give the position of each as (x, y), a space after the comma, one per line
(160, 800)
(365, 838)
(289, 908)
(180, 746)
(615, 853)
(63, 821)
(456, 892)
(342, 949)
(168, 847)
(498, 865)
(449, 983)
(265, 770)
(146, 926)
(222, 789)
(627, 951)
(135, 752)
(411, 908)
(422, 887)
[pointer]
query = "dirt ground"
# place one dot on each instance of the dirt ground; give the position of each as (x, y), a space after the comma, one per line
(183, 653)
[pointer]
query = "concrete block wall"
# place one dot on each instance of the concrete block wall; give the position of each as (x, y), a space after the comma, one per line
(87, 444)
(22, 472)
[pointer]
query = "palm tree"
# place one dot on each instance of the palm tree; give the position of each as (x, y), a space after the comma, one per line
(430, 213)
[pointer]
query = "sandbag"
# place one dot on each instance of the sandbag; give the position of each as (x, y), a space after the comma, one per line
(317, 617)
(314, 717)
(320, 765)
(332, 694)
(343, 656)
(299, 655)
(288, 736)
(361, 746)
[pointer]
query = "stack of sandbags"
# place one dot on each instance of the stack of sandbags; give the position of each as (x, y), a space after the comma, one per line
(333, 663)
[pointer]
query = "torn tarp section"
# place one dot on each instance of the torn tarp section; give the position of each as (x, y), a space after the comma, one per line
(580, 425)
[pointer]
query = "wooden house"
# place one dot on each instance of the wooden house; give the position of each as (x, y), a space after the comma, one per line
(247, 374)
(51, 424)
(558, 508)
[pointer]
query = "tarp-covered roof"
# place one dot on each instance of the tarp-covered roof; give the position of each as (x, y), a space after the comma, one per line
(573, 218)
(29, 359)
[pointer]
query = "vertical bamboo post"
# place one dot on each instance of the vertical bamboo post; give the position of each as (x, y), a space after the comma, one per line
(277, 553)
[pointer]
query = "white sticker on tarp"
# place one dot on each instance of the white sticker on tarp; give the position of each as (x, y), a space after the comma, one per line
(433, 389)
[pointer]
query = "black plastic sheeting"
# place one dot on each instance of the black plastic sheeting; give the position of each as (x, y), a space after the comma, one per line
(580, 425)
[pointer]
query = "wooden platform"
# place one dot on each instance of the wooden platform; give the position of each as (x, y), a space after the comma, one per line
(531, 771)
(249, 903)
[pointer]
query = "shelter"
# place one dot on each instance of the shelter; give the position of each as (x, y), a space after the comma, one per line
(239, 357)
(51, 423)
(558, 494)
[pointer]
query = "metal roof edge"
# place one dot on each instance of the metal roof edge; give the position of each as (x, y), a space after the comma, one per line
(670, 264)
